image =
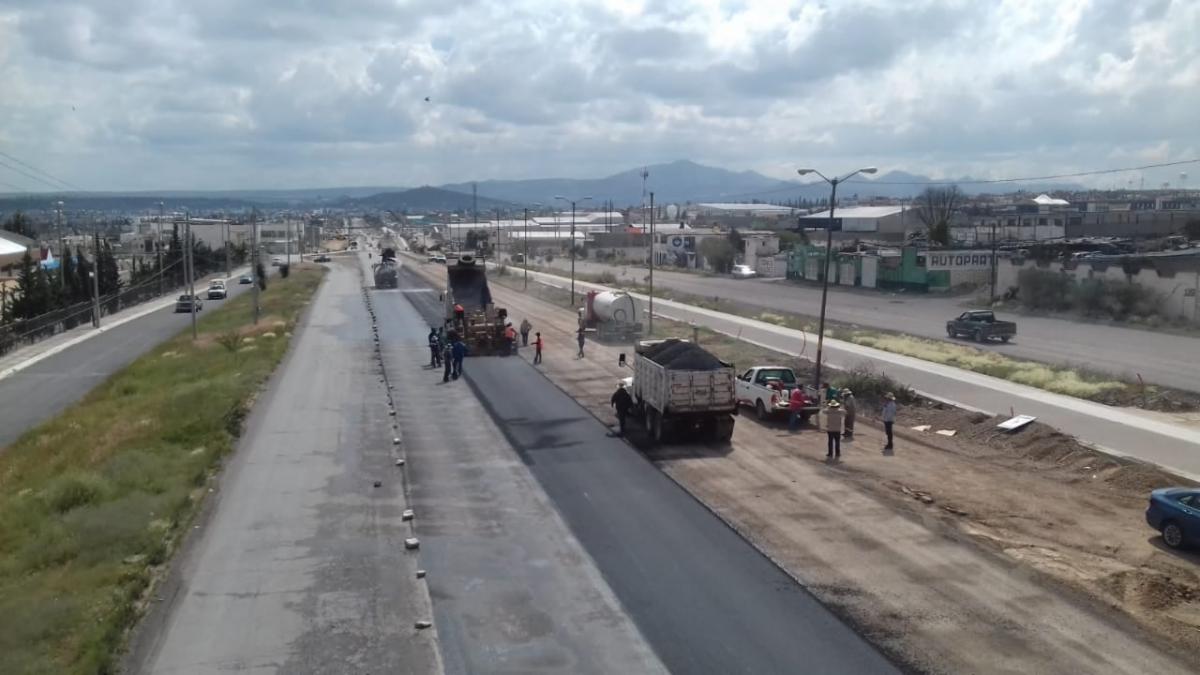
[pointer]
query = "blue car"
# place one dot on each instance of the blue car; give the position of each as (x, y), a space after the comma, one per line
(1175, 512)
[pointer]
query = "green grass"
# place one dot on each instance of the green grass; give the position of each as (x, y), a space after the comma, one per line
(92, 501)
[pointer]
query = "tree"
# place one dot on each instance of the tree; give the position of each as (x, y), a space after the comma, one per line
(936, 207)
(737, 241)
(719, 253)
(20, 224)
(110, 275)
(173, 259)
(33, 290)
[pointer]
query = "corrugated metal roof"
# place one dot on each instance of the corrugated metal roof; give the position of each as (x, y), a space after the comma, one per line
(859, 212)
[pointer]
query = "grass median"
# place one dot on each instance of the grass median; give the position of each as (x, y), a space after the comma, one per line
(92, 502)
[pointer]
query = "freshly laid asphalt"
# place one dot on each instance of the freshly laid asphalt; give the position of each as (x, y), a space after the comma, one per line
(704, 598)
(41, 391)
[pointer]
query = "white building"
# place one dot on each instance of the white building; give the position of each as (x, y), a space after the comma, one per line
(867, 222)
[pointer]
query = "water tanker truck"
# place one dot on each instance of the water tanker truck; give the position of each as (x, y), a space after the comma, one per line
(613, 315)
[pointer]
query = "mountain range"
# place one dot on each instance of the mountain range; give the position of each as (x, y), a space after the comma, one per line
(678, 182)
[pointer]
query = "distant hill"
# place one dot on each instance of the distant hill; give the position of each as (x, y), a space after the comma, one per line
(196, 200)
(429, 198)
(679, 181)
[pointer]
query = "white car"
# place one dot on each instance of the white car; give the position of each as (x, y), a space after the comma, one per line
(216, 289)
(743, 272)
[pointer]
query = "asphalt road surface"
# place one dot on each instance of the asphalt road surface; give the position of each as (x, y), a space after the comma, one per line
(513, 590)
(1160, 358)
(35, 394)
(704, 599)
(300, 565)
(1169, 445)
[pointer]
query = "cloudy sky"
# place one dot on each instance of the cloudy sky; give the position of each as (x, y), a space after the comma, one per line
(145, 94)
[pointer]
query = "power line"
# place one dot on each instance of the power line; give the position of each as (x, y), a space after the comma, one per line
(47, 174)
(29, 175)
(1081, 174)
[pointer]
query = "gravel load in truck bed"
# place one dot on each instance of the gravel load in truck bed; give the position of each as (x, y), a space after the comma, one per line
(679, 355)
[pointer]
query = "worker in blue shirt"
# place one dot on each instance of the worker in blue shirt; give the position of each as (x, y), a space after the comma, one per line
(458, 350)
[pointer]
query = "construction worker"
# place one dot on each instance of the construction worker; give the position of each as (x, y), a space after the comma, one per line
(889, 418)
(435, 348)
(851, 408)
(622, 401)
(580, 339)
(833, 419)
(830, 391)
(525, 328)
(460, 314)
(447, 360)
(537, 348)
(458, 350)
(796, 402)
(510, 338)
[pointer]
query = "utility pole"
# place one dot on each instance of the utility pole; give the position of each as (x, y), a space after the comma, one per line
(95, 275)
(287, 244)
(496, 248)
(994, 269)
(62, 270)
(828, 255)
(228, 265)
(525, 257)
(159, 247)
(190, 269)
(650, 316)
(254, 260)
(474, 205)
(573, 201)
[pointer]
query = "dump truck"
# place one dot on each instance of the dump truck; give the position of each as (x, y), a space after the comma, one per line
(480, 323)
(680, 389)
(613, 316)
(387, 270)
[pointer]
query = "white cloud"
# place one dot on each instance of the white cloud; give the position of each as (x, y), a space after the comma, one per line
(115, 94)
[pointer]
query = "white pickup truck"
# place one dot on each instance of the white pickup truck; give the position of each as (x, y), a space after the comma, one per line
(768, 389)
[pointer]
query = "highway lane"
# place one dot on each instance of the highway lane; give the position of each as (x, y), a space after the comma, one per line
(299, 565)
(513, 590)
(704, 598)
(35, 394)
(1161, 358)
(1172, 446)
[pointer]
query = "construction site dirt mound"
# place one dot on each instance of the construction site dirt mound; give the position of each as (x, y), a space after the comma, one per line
(680, 355)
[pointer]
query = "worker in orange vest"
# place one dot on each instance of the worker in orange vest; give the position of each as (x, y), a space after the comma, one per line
(510, 337)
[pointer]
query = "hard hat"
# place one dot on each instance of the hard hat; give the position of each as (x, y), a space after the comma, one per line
(834, 404)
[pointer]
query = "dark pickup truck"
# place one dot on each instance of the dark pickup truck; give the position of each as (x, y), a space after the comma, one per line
(981, 326)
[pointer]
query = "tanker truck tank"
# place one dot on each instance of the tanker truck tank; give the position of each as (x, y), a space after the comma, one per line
(614, 315)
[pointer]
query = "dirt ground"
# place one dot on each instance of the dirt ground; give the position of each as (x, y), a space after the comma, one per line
(981, 552)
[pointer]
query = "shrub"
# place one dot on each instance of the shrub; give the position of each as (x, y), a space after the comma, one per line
(1043, 289)
(868, 383)
(73, 490)
(606, 277)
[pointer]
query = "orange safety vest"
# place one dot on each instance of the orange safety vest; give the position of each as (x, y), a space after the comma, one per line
(510, 333)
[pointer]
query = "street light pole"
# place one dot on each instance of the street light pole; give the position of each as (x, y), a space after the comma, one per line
(525, 257)
(572, 243)
(62, 270)
(650, 316)
(191, 273)
(833, 182)
(159, 246)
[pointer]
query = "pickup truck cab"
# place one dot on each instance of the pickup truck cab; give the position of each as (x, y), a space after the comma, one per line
(743, 272)
(980, 325)
(216, 289)
(768, 390)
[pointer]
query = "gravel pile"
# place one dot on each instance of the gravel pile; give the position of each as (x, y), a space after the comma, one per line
(679, 355)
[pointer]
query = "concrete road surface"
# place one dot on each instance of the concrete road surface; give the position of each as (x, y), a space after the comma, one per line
(35, 394)
(513, 589)
(704, 598)
(300, 566)
(1160, 358)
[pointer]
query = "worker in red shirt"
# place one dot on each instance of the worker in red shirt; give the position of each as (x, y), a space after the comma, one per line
(459, 312)
(510, 337)
(537, 348)
(796, 402)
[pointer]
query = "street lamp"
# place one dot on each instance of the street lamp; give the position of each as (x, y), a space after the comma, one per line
(526, 257)
(833, 182)
(573, 201)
